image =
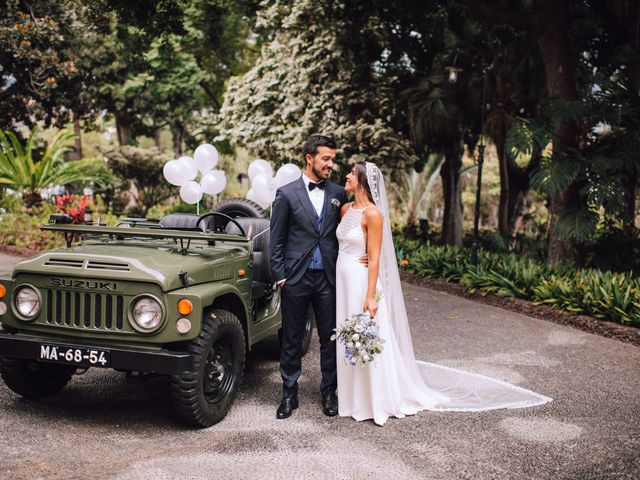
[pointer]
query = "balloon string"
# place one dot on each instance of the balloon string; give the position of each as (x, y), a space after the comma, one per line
(198, 208)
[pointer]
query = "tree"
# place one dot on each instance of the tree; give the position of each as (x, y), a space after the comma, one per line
(547, 21)
(414, 191)
(169, 68)
(438, 123)
(35, 61)
(303, 83)
(141, 169)
(22, 169)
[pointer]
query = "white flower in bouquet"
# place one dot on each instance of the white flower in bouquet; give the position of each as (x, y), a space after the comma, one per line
(360, 336)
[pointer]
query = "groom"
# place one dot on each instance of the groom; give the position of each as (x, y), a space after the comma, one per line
(304, 249)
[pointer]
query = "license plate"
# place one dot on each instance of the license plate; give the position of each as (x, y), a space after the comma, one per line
(84, 357)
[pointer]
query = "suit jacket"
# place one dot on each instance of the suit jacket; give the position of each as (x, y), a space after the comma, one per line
(295, 235)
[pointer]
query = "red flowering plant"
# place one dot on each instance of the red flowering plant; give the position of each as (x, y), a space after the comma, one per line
(76, 209)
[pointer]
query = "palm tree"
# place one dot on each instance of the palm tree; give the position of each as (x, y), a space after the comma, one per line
(20, 171)
(438, 121)
(413, 192)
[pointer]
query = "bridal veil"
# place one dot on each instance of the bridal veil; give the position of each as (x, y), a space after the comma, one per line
(443, 388)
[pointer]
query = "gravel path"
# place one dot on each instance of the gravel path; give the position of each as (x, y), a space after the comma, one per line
(104, 425)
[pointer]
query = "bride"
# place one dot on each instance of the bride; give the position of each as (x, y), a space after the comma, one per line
(395, 384)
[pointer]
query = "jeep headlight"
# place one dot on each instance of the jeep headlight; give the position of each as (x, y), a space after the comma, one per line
(147, 313)
(27, 302)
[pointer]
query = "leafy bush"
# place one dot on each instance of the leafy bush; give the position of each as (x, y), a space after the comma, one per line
(606, 295)
(22, 231)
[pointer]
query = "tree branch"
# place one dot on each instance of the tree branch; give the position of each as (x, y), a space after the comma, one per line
(210, 94)
(501, 15)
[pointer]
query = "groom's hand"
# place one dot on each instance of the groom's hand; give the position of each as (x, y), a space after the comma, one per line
(364, 260)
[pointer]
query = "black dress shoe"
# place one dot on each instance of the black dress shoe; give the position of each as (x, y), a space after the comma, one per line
(286, 408)
(330, 404)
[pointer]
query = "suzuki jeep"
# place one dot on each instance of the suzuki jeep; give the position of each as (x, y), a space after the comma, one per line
(185, 297)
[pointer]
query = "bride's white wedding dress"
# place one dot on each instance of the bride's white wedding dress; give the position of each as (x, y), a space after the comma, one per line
(395, 385)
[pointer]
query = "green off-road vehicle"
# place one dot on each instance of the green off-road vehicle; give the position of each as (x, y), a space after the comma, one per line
(184, 297)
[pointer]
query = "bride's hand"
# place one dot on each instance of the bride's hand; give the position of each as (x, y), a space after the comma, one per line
(371, 306)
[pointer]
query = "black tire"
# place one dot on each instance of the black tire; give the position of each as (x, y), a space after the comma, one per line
(34, 379)
(240, 208)
(202, 397)
(308, 332)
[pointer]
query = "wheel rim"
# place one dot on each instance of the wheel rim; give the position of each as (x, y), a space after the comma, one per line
(219, 371)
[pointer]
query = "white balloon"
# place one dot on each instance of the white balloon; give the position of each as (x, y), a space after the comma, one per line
(258, 167)
(213, 182)
(287, 173)
(191, 192)
(174, 173)
(187, 164)
(265, 188)
(251, 195)
(205, 157)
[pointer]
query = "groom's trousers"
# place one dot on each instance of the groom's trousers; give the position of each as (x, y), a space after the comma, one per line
(312, 289)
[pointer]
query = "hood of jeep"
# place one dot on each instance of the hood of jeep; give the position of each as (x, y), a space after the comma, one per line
(142, 262)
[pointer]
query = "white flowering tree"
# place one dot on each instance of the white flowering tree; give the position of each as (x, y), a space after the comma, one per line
(304, 83)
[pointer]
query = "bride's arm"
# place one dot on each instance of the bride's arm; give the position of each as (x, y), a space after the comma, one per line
(373, 226)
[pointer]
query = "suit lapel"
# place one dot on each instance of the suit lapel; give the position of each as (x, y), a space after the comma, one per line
(305, 201)
(326, 208)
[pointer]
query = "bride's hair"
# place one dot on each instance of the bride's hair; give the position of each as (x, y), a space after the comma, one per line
(361, 174)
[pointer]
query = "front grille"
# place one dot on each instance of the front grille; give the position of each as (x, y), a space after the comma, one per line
(89, 311)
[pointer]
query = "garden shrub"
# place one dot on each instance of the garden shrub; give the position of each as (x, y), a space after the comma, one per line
(22, 232)
(607, 295)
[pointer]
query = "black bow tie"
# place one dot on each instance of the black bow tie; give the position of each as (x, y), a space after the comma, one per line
(320, 185)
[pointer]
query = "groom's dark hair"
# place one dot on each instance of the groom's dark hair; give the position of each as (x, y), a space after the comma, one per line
(311, 144)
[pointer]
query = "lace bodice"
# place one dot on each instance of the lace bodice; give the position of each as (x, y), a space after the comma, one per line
(349, 233)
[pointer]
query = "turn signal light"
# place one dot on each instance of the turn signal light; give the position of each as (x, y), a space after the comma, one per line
(242, 272)
(185, 307)
(3, 290)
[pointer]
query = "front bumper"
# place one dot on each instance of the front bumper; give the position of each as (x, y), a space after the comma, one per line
(162, 362)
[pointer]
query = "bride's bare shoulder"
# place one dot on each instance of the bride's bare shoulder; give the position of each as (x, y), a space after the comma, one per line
(372, 215)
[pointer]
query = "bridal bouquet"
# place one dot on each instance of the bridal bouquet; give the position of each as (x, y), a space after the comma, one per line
(360, 337)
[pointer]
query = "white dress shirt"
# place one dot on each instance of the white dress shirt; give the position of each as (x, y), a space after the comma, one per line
(316, 196)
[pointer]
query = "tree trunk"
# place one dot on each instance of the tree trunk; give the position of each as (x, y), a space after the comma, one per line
(76, 153)
(178, 137)
(517, 205)
(452, 193)
(551, 34)
(514, 187)
(505, 186)
(124, 127)
(156, 138)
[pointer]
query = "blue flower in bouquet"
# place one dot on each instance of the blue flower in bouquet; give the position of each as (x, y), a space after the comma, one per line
(361, 339)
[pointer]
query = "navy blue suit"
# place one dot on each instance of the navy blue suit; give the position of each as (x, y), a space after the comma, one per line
(296, 232)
